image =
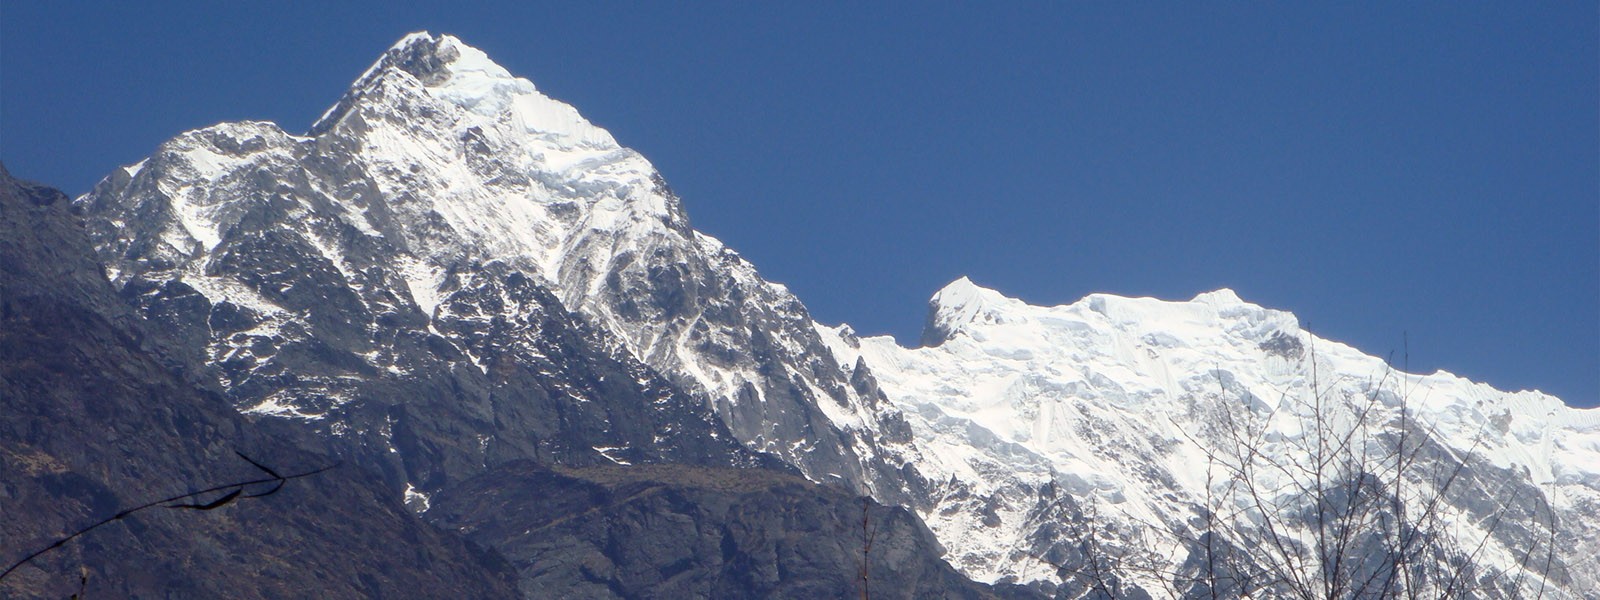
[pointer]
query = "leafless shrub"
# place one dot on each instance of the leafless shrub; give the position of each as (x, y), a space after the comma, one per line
(1352, 506)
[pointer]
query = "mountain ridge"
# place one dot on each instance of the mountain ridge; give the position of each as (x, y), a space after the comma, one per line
(1004, 398)
(1219, 296)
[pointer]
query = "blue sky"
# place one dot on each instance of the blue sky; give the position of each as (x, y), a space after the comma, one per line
(1427, 171)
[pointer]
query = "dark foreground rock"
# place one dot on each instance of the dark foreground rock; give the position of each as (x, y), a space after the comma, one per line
(676, 531)
(92, 422)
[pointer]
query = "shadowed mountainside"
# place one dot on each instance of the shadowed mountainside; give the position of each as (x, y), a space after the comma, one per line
(674, 531)
(92, 424)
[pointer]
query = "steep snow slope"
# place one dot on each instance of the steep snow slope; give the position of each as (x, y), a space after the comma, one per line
(1117, 403)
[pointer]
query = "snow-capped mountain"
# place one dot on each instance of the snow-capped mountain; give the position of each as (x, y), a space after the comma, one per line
(333, 279)
(469, 272)
(444, 208)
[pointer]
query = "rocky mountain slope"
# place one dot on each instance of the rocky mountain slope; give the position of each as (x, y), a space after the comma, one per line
(91, 423)
(460, 273)
(669, 531)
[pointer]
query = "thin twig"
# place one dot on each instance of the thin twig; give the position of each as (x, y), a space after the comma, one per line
(236, 491)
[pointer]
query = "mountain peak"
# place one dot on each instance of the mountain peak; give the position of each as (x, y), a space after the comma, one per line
(418, 37)
(954, 305)
(1219, 297)
(963, 289)
(422, 54)
(443, 69)
(419, 54)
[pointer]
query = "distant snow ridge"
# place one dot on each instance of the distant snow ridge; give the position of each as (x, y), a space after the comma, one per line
(1113, 402)
(444, 195)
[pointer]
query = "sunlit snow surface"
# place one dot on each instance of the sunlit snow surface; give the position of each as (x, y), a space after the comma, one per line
(1108, 398)
(1109, 401)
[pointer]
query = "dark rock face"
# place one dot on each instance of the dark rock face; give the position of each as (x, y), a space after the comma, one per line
(674, 531)
(92, 422)
(679, 287)
(1284, 345)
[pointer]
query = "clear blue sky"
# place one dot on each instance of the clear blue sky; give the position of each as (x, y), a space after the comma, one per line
(1383, 169)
